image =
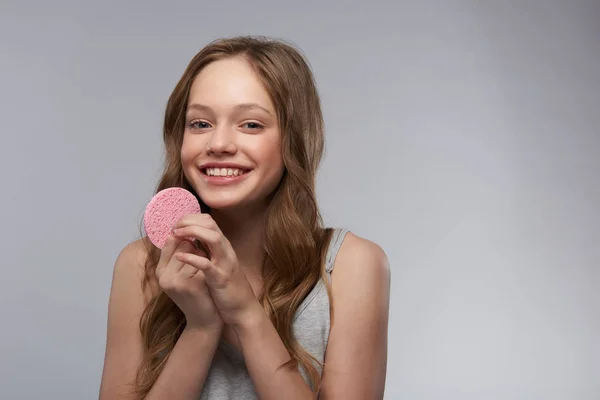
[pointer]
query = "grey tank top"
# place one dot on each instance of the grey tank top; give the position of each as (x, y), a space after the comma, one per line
(228, 377)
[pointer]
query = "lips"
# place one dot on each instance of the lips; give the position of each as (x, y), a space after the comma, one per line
(224, 176)
(224, 172)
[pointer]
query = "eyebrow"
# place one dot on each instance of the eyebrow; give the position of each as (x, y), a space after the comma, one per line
(242, 106)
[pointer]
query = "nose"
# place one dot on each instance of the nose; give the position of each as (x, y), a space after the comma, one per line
(222, 141)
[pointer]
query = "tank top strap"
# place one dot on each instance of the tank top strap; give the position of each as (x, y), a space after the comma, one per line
(337, 237)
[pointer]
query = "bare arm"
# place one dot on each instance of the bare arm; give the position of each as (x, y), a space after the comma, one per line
(356, 357)
(184, 372)
(264, 352)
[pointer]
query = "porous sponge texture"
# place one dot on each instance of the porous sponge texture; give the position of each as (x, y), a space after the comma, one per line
(166, 208)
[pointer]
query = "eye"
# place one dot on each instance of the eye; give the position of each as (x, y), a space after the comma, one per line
(253, 126)
(197, 124)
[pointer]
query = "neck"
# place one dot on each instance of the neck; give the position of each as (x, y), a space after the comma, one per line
(245, 232)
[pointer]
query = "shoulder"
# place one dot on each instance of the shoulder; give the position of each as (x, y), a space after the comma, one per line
(131, 259)
(130, 265)
(133, 252)
(361, 261)
(355, 359)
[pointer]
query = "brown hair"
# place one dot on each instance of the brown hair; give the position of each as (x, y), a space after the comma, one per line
(293, 262)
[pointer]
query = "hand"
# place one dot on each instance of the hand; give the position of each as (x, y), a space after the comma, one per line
(185, 285)
(229, 287)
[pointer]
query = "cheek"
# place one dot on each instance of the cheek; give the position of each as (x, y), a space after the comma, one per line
(274, 159)
(185, 157)
(189, 150)
(272, 150)
(271, 156)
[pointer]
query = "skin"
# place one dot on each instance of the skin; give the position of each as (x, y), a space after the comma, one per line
(249, 137)
(218, 292)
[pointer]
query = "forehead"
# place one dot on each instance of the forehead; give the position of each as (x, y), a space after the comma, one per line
(227, 82)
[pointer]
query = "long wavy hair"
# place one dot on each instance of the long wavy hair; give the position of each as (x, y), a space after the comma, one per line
(295, 238)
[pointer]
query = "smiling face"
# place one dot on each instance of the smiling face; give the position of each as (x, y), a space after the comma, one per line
(231, 151)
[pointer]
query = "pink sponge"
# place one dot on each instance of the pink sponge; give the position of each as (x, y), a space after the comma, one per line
(166, 208)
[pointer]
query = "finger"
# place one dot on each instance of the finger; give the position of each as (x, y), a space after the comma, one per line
(168, 249)
(205, 220)
(210, 223)
(187, 271)
(213, 275)
(196, 261)
(175, 265)
(166, 253)
(212, 239)
(172, 266)
(199, 252)
(201, 248)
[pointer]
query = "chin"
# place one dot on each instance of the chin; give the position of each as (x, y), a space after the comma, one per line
(233, 204)
(224, 203)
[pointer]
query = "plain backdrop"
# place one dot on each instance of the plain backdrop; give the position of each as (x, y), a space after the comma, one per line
(462, 136)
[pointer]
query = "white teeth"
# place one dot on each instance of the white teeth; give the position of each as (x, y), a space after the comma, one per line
(223, 172)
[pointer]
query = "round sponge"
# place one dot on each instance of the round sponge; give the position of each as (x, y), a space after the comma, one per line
(166, 208)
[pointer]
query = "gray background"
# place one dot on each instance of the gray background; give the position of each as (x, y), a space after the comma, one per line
(462, 136)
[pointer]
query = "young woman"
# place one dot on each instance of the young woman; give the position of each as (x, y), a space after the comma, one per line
(278, 307)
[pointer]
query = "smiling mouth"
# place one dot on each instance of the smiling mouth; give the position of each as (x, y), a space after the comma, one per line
(225, 172)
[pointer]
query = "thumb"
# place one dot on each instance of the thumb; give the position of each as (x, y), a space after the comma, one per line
(167, 252)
